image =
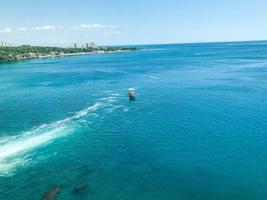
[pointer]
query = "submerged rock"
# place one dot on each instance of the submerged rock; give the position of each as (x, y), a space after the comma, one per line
(51, 194)
(80, 187)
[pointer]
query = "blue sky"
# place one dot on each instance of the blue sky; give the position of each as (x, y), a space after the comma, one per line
(116, 22)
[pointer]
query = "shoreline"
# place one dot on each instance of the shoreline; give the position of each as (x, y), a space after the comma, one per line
(24, 52)
(64, 55)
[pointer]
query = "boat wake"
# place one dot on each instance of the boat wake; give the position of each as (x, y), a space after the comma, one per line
(13, 147)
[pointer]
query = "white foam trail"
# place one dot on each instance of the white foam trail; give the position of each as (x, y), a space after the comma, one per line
(112, 108)
(87, 110)
(107, 98)
(39, 136)
(116, 94)
(5, 167)
(29, 142)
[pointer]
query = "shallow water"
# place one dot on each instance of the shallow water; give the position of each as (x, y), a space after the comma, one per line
(196, 130)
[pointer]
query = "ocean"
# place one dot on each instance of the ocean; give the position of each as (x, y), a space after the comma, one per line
(196, 131)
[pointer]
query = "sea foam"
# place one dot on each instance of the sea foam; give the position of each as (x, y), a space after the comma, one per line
(14, 146)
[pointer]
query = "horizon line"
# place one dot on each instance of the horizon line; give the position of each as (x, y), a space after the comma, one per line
(151, 44)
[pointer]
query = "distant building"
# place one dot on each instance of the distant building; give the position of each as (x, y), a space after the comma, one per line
(75, 45)
(3, 44)
(91, 45)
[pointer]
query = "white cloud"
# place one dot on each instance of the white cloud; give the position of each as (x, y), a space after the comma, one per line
(6, 30)
(22, 29)
(93, 26)
(113, 33)
(44, 28)
(89, 26)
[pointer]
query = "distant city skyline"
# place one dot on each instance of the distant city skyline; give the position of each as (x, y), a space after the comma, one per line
(118, 22)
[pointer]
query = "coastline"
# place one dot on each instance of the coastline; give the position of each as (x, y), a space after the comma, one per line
(71, 54)
(13, 55)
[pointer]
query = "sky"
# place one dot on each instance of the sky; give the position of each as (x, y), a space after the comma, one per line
(124, 22)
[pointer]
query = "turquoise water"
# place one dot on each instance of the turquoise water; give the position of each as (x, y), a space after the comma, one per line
(197, 130)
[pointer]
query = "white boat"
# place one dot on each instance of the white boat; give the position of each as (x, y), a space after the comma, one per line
(131, 93)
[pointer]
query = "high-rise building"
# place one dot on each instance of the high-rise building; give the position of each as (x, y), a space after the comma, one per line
(75, 45)
(3, 44)
(91, 45)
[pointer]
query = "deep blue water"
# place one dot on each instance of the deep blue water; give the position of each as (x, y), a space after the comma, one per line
(197, 130)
